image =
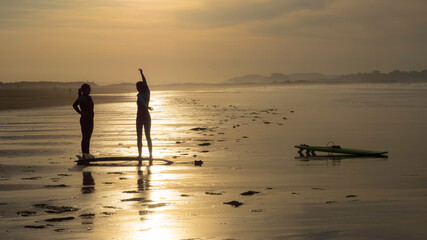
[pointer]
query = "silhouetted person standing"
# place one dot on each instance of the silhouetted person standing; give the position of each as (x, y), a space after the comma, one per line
(143, 118)
(86, 119)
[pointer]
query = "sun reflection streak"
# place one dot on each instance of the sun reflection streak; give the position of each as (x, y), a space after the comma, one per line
(156, 227)
(155, 222)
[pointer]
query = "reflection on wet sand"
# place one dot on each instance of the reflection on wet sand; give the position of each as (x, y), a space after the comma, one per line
(137, 201)
(88, 183)
(143, 181)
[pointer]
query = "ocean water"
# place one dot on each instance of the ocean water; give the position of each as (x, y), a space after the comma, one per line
(247, 143)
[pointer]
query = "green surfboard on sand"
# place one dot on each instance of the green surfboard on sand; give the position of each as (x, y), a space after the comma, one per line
(82, 161)
(338, 149)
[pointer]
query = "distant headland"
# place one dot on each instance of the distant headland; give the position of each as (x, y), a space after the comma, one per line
(395, 76)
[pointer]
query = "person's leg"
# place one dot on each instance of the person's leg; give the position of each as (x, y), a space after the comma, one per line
(84, 144)
(83, 136)
(148, 137)
(139, 136)
(89, 133)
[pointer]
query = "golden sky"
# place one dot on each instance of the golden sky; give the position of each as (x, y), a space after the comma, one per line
(206, 40)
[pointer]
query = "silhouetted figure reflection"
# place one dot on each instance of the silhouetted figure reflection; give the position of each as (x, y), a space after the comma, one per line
(143, 182)
(88, 183)
(143, 118)
(86, 119)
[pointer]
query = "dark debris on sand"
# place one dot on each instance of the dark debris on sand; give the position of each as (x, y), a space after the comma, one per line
(234, 203)
(257, 210)
(144, 212)
(213, 193)
(63, 175)
(87, 215)
(31, 178)
(135, 200)
(249, 193)
(25, 213)
(35, 226)
(351, 196)
(199, 129)
(108, 213)
(131, 191)
(59, 219)
(56, 209)
(156, 205)
(198, 163)
(57, 186)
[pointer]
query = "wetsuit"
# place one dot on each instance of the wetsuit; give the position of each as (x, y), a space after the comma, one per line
(143, 118)
(86, 119)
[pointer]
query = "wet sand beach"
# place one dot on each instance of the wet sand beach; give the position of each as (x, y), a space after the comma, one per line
(251, 184)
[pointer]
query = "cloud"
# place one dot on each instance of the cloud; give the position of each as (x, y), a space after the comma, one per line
(41, 13)
(82, 14)
(321, 18)
(358, 20)
(223, 13)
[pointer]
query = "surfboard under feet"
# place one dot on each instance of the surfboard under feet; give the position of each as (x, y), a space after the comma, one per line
(81, 160)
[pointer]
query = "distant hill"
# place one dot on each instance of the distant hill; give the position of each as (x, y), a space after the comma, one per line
(394, 76)
(372, 77)
(252, 78)
(44, 84)
(278, 78)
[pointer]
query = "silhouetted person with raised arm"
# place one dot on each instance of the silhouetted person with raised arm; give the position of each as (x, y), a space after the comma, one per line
(84, 101)
(143, 118)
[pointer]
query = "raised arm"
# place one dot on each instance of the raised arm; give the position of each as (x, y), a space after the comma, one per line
(142, 75)
(144, 80)
(145, 98)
